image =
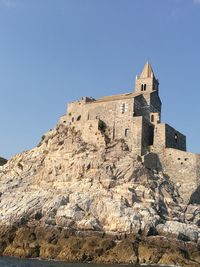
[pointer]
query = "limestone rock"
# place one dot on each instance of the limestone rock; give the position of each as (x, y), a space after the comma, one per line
(71, 200)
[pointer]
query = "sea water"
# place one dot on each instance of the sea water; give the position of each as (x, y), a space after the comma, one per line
(13, 262)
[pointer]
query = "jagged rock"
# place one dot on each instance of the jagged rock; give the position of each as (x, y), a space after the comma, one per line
(70, 200)
(179, 230)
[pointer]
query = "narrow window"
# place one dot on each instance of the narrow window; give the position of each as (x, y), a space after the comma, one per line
(152, 118)
(126, 132)
(176, 138)
(72, 119)
(143, 87)
(78, 118)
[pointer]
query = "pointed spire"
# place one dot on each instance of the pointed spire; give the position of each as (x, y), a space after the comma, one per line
(147, 71)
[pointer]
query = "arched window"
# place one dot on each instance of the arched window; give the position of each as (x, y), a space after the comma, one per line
(143, 87)
(152, 118)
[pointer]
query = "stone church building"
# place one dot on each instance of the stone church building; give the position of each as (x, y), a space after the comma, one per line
(136, 118)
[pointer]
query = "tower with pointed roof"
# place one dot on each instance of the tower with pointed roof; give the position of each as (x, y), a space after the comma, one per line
(146, 82)
(147, 86)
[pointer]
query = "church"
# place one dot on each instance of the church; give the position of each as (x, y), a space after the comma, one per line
(135, 118)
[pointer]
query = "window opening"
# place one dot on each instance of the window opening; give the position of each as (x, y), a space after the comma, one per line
(126, 132)
(152, 118)
(78, 118)
(123, 107)
(176, 138)
(143, 87)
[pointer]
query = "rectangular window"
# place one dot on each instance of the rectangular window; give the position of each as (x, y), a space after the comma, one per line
(123, 107)
(126, 132)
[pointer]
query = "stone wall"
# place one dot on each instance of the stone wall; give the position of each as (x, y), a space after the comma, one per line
(159, 138)
(147, 103)
(119, 118)
(155, 102)
(133, 117)
(166, 136)
(151, 84)
(141, 106)
(183, 169)
(174, 139)
(90, 132)
(147, 136)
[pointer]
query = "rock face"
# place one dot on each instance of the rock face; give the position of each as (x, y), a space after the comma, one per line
(71, 200)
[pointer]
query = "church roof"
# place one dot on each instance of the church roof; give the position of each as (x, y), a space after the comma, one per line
(116, 97)
(147, 71)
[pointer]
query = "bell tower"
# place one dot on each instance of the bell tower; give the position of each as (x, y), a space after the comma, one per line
(148, 103)
(146, 82)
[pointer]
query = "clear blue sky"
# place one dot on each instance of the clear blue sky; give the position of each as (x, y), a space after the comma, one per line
(56, 51)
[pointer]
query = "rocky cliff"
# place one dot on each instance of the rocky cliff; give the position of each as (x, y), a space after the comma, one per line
(71, 200)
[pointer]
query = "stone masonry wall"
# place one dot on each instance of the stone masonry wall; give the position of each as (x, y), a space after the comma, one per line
(147, 103)
(118, 117)
(159, 138)
(155, 103)
(141, 106)
(166, 136)
(183, 169)
(174, 139)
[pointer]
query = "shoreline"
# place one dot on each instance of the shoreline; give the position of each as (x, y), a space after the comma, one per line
(12, 258)
(56, 244)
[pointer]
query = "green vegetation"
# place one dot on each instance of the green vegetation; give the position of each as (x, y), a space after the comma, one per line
(2, 161)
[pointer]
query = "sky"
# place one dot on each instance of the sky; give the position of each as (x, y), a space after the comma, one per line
(56, 51)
